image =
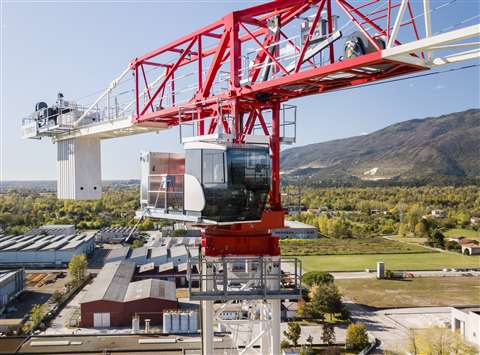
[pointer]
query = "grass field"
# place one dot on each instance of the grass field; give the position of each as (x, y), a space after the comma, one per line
(459, 232)
(332, 246)
(435, 291)
(426, 261)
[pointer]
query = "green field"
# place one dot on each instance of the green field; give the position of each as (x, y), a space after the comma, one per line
(418, 292)
(333, 246)
(426, 261)
(459, 232)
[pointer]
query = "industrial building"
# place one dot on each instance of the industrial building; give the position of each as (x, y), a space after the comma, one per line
(12, 283)
(43, 250)
(113, 299)
(116, 235)
(297, 230)
(466, 321)
(177, 254)
(53, 229)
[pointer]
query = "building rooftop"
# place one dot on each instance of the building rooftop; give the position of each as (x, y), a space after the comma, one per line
(111, 283)
(150, 288)
(177, 251)
(139, 252)
(158, 252)
(118, 253)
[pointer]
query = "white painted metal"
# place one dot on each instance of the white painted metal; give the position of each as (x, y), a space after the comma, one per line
(112, 85)
(79, 169)
(440, 39)
(194, 191)
(398, 21)
(262, 324)
(458, 57)
(428, 23)
(402, 52)
(101, 320)
(111, 129)
(207, 315)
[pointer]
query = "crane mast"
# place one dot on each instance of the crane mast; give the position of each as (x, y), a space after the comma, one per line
(231, 81)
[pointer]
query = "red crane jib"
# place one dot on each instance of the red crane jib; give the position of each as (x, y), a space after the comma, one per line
(233, 87)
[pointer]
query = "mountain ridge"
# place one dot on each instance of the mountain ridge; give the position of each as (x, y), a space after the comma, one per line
(447, 146)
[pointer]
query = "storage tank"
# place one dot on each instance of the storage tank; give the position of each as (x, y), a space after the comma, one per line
(175, 322)
(184, 322)
(167, 322)
(135, 324)
(193, 322)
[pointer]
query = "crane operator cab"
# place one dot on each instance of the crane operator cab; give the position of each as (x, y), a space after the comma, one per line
(213, 183)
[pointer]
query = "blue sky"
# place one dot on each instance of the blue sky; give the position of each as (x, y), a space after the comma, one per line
(79, 47)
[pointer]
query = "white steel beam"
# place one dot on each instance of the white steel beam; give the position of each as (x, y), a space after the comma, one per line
(207, 327)
(275, 327)
(428, 23)
(110, 129)
(458, 57)
(398, 22)
(397, 52)
(112, 85)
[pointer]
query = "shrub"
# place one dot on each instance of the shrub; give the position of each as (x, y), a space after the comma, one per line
(179, 233)
(357, 337)
(453, 246)
(284, 344)
(316, 277)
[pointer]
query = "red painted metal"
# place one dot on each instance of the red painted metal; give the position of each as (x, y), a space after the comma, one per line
(232, 91)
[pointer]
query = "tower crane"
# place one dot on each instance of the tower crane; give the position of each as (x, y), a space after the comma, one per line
(230, 81)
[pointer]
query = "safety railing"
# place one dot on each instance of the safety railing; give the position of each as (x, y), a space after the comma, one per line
(244, 278)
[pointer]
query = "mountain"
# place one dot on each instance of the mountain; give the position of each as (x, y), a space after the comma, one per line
(445, 146)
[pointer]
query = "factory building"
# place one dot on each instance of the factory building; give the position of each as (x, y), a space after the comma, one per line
(297, 230)
(117, 254)
(12, 282)
(43, 250)
(139, 255)
(53, 229)
(116, 235)
(113, 299)
(160, 255)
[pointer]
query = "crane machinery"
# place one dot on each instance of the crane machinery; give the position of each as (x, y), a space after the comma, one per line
(229, 84)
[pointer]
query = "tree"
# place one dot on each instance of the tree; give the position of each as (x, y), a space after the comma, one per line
(316, 277)
(421, 229)
(402, 229)
(77, 268)
(453, 246)
(324, 298)
(437, 240)
(35, 317)
(293, 333)
(328, 333)
(357, 337)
